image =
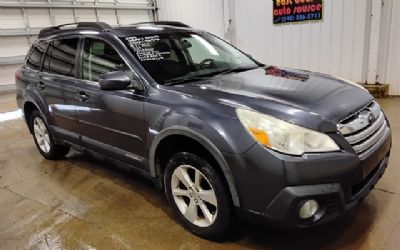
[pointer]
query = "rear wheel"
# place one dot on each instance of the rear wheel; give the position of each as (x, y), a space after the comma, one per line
(43, 139)
(198, 196)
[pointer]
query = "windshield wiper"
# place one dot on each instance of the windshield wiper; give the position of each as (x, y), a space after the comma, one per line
(180, 80)
(186, 79)
(191, 77)
(236, 70)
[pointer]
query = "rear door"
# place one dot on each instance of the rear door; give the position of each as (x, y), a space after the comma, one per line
(59, 72)
(29, 77)
(110, 122)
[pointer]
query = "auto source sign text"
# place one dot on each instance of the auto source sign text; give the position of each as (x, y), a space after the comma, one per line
(289, 11)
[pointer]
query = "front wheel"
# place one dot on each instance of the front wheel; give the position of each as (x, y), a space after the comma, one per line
(198, 196)
(43, 139)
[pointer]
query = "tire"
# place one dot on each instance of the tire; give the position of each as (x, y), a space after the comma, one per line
(44, 141)
(192, 199)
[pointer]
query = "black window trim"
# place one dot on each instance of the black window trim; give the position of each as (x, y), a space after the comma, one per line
(29, 55)
(41, 59)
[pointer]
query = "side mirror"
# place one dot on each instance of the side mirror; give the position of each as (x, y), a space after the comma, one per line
(115, 80)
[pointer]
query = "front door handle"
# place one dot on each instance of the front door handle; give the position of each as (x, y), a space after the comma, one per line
(41, 85)
(82, 96)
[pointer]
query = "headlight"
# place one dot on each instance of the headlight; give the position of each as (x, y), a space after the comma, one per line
(283, 136)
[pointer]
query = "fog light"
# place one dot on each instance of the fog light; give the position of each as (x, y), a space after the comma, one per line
(308, 209)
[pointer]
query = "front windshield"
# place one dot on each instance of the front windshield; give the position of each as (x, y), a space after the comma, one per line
(173, 58)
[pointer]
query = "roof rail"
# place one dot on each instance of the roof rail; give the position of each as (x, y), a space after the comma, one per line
(170, 23)
(80, 25)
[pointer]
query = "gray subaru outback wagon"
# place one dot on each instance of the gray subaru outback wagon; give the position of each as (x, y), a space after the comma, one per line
(223, 135)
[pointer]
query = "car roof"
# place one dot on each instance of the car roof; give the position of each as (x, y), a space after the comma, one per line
(143, 28)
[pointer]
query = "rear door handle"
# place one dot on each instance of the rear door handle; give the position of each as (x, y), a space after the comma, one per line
(82, 96)
(41, 85)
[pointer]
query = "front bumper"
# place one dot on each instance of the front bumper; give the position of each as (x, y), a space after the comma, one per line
(331, 197)
(337, 181)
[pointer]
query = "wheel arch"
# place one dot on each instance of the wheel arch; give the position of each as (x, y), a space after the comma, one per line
(155, 169)
(27, 110)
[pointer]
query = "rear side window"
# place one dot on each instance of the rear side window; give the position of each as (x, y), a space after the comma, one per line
(60, 57)
(35, 57)
(98, 58)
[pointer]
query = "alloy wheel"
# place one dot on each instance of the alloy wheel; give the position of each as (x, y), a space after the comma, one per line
(42, 136)
(194, 196)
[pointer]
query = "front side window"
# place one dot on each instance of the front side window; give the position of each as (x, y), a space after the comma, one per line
(98, 58)
(35, 57)
(60, 57)
(173, 58)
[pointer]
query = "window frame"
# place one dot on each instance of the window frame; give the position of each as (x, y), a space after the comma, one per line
(50, 46)
(83, 53)
(41, 59)
(107, 41)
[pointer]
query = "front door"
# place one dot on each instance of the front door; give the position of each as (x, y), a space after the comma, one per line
(110, 122)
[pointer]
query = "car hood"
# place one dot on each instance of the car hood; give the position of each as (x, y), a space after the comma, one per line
(306, 98)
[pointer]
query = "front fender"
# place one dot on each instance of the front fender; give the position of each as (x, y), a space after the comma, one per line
(213, 125)
(206, 143)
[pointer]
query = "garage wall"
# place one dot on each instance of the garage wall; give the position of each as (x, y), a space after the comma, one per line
(357, 39)
(389, 47)
(336, 45)
(202, 14)
(20, 22)
(342, 44)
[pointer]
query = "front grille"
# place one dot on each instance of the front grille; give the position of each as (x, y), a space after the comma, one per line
(365, 129)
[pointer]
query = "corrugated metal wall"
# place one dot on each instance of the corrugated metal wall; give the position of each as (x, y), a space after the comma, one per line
(389, 56)
(21, 20)
(203, 14)
(337, 45)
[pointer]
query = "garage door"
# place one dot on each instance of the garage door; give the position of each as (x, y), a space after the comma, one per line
(20, 22)
(389, 51)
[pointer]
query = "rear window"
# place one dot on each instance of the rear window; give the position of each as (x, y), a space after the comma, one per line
(60, 57)
(35, 57)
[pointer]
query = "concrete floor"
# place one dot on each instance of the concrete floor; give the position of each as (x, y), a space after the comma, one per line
(82, 203)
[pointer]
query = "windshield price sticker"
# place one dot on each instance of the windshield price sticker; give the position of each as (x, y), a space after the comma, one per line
(290, 11)
(143, 48)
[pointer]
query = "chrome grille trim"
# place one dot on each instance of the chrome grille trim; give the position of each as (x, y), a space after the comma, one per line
(376, 144)
(368, 131)
(356, 122)
(371, 140)
(364, 133)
